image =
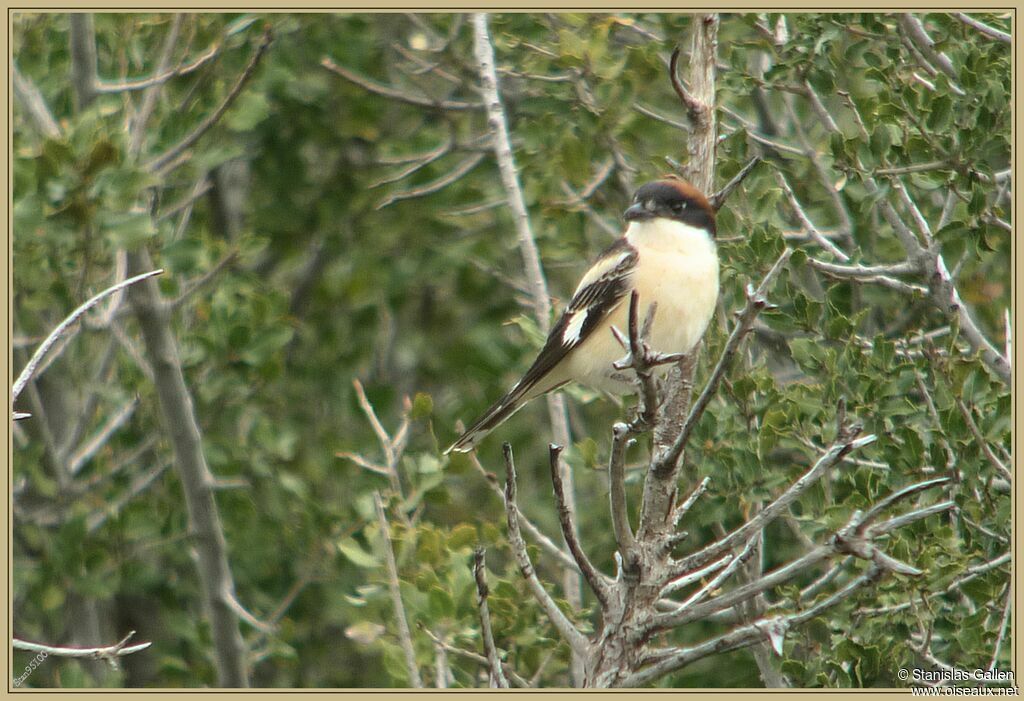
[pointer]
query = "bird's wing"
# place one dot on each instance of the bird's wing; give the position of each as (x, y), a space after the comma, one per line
(600, 291)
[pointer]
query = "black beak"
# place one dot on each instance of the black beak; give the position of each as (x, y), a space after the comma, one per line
(637, 212)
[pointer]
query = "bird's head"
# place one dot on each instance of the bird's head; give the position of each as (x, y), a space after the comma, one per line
(672, 198)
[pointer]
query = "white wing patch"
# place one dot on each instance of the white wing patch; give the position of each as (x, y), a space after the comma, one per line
(601, 268)
(574, 327)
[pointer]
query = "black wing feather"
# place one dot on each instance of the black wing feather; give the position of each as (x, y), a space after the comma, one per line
(599, 298)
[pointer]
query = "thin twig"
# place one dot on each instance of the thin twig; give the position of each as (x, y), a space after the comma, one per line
(109, 428)
(833, 456)
(664, 120)
(985, 29)
(694, 577)
(546, 544)
(969, 574)
(688, 503)
(498, 679)
(474, 656)
(919, 36)
(1003, 627)
(194, 286)
(108, 88)
(41, 351)
(594, 578)
(138, 130)
(719, 198)
(436, 185)
(394, 93)
(617, 490)
(806, 222)
(576, 640)
(744, 636)
(404, 636)
(32, 100)
(715, 582)
(986, 449)
(119, 649)
(192, 137)
(696, 109)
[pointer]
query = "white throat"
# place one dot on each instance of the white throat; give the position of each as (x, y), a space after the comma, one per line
(668, 235)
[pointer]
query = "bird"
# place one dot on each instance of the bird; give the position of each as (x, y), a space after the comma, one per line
(668, 255)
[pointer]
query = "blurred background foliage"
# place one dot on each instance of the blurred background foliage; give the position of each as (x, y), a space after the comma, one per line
(324, 232)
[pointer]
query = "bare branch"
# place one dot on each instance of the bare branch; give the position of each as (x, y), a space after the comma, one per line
(842, 446)
(108, 88)
(417, 162)
(969, 574)
(498, 679)
(109, 428)
(1003, 627)
(694, 577)
(986, 449)
(211, 119)
(394, 93)
(576, 640)
(382, 435)
(546, 544)
(32, 100)
(435, 185)
(688, 503)
(442, 672)
(617, 490)
(41, 351)
(744, 636)
(805, 221)
(985, 29)
(474, 656)
(181, 427)
(867, 519)
(715, 582)
(119, 649)
(194, 286)
(642, 360)
(83, 59)
(718, 199)
(906, 267)
(661, 118)
(912, 516)
(697, 110)
(916, 31)
(404, 636)
(594, 578)
(137, 135)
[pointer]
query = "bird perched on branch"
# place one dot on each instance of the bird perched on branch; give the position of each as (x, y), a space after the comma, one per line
(669, 257)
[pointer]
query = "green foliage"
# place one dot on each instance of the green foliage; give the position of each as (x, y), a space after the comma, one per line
(321, 285)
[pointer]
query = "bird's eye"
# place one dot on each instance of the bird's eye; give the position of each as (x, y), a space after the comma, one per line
(679, 206)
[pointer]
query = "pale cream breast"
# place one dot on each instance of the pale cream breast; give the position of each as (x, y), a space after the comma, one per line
(678, 267)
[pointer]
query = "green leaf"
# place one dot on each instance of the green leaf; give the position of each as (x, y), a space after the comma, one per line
(127, 229)
(462, 536)
(355, 554)
(249, 109)
(422, 406)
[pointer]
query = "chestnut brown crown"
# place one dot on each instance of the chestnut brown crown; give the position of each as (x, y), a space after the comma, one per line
(672, 198)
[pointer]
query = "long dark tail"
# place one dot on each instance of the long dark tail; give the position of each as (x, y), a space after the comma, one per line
(499, 411)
